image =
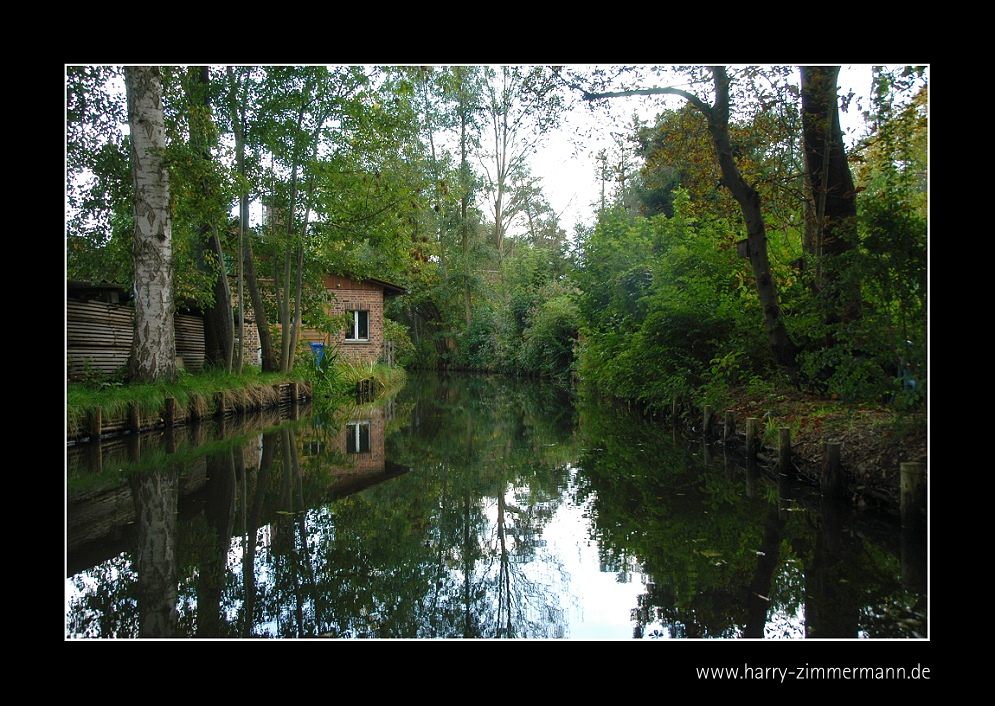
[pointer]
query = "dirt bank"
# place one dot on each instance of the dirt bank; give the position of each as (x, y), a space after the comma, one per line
(874, 440)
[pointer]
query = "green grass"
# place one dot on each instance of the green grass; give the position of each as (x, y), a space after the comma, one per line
(386, 376)
(249, 389)
(190, 390)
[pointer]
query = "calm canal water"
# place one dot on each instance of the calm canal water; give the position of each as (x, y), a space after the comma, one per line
(466, 506)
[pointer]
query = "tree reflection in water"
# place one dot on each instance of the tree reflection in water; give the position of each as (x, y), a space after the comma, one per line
(458, 516)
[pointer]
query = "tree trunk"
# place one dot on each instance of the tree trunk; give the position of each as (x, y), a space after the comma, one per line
(785, 351)
(832, 189)
(156, 495)
(783, 348)
(153, 353)
(219, 331)
(270, 363)
(247, 262)
(465, 188)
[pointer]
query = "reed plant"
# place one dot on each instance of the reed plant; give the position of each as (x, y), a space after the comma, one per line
(387, 377)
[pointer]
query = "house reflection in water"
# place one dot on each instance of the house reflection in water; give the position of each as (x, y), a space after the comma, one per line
(358, 448)
(363, 440)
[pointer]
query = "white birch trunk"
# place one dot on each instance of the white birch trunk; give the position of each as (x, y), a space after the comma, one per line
(153, 353)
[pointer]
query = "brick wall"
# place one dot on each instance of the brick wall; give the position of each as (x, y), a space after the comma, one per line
(251, 353)
(348, 295)
(363, 300)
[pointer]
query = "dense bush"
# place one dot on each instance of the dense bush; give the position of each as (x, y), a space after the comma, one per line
(664, 302)
(547, 348)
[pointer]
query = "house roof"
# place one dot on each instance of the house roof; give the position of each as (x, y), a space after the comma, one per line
(335, 282)
(389, 289)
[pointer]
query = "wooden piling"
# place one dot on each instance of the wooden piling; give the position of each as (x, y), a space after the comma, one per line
(169, 412)
(134, 418)
(709, 416)
(93, 424)
(133, 445)
(95, 455)
(751, 456)
(831, 481)
(752, 438)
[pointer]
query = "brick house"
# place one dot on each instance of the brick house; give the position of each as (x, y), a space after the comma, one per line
(362, 341)
(363, 301)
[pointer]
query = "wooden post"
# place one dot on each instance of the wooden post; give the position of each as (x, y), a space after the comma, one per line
(832, 485)
(295, 410)
(93, 424)
(730, 426)
(914, 497)
(709, 415)
(752, 438)
(169, 440)
(914, 545)
(751, 456)
(219, 404)
(134, 418)
(784, 451)
(169, 412)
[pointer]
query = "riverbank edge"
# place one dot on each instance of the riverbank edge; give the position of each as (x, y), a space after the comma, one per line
(874, 440)
(93, 423)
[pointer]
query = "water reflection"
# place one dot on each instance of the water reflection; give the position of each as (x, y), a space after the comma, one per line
(465, 507)
(728, 555)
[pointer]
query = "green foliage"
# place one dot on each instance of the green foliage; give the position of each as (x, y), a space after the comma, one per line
(99, 216)
(665, 308)
(479, 344)
(880, 355)
(404, 349)
(548, 343)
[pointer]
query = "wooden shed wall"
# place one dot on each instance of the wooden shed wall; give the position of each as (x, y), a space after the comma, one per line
(99, 336)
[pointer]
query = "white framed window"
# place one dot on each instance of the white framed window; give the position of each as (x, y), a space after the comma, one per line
(357, 437)
(359, 327)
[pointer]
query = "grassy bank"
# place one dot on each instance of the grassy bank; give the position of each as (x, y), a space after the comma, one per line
(335, 382)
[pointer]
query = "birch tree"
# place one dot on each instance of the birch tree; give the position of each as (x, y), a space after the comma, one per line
(153, 353)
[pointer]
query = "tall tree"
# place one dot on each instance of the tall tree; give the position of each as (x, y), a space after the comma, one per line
(467, 85)
(219, 332)
(717, 116)
(523, 105)
(832, 189)
(153, 353)
(239, 102)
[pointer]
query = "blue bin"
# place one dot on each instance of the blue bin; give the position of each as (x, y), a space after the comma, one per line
(319, 352)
